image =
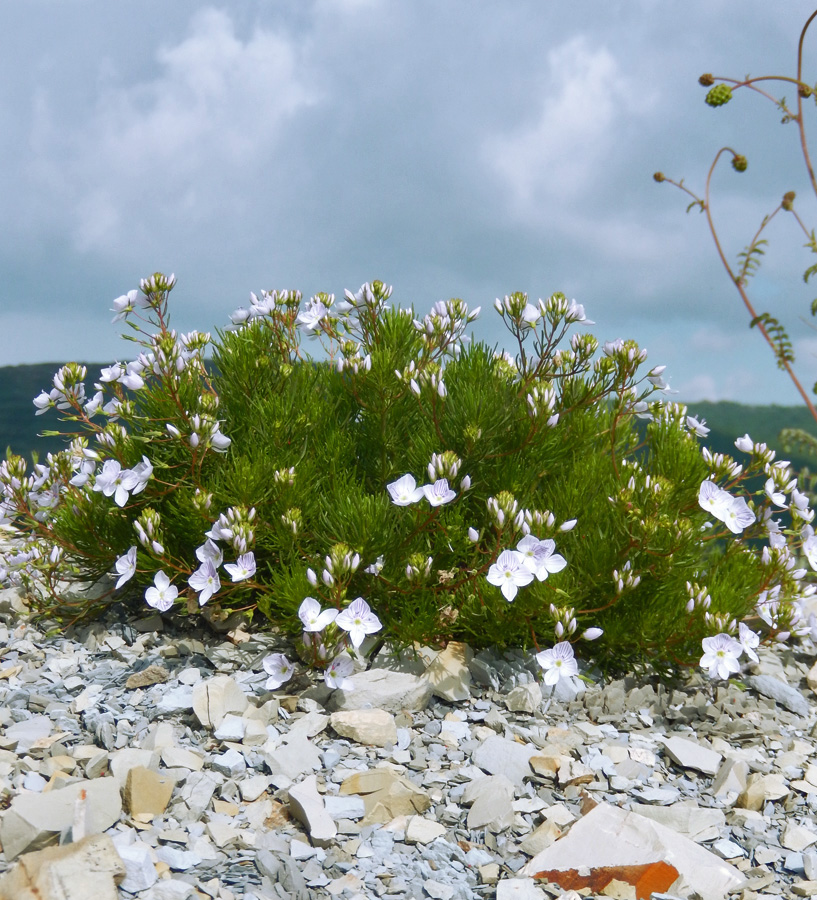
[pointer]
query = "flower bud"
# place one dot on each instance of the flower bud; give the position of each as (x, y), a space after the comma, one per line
(739, 163)
(473, 535)
(311, 577)
(706, 80)
(592, 634)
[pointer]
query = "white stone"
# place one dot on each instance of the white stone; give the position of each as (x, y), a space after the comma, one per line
(374, 727)
(181, 757)
(140, 873)
(215, 697)
(692, 755)
(382, 689)
(35, 820)
(306, 804)
(491, 802)
(232, 728)
(448, 674)
(610, 836)
(499, 756)
(423, 831)
(524, 698)
(253, 787)
(230, 763)
(519, 889)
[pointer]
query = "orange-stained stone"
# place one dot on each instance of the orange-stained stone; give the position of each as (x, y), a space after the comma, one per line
(648, 879)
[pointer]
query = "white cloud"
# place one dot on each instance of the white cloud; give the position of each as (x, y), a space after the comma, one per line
(556, 157)
(212, 117)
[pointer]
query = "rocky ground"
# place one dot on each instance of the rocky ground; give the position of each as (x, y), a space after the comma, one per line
(165, 770)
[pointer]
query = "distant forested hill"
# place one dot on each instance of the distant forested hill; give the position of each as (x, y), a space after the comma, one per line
(19, 427)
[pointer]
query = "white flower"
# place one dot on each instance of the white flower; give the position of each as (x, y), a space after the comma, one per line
(745, 444)
(312, 617)
(243, 568)
(205, 581)
(337, 675)
(509, 573)
(404, 491)
(810, 546)
(558, 662)
(539, 556)
(126, 567)
(721, 654)
(697, 427)
(279, 669)
(162, 594)
(115, 481)
(358, 620)
(777, 497)
(748, 640)
(439, 493)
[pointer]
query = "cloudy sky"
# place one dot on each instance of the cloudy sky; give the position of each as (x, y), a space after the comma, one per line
(459, 148)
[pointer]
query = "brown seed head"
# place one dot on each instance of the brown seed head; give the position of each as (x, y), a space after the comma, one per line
(706, 80)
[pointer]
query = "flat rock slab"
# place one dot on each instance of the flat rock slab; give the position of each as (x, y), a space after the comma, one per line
(386, 795)
(491, 802)
(787, 696)
(383, 689)
(147, 792)
(499, 756)
(610, 836)
(692, 755)
(34, 821)
(89, 868)
(643, 881)
(695, 822)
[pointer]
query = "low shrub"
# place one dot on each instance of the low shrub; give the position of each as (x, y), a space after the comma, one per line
(414, 486)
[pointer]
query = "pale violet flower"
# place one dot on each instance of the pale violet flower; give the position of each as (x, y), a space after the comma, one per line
(404, 491)
(279, 669)
(558, 662)
(116, 482)
(358, 620)
(312, 617)
(721, 654)
(141, 472)
(439, 493)
(209, 550)
(162, 594)
(205, 581)
(539, 557)
(375, 568)
(243, 568)
(737, 515)
(799, 502)
(712, 498)
(509, 573)
(748, 641)
(126, 567)
(337, 675)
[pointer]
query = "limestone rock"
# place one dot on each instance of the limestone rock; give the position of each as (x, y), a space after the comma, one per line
(89, 868)
(787, 696)
(147, 677)
(423, 831)
(519, 889)
(35, 820)
(491, 802)
(692, 755)
(383, 689)
(147, 792)
(700, 824)
(448, 674)
(499, 756)
(217, 696)
(140, 873)
(375, 727)
(761, 788)
(524, 698)
(609, 836)
(386, 795)
(306, 805)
